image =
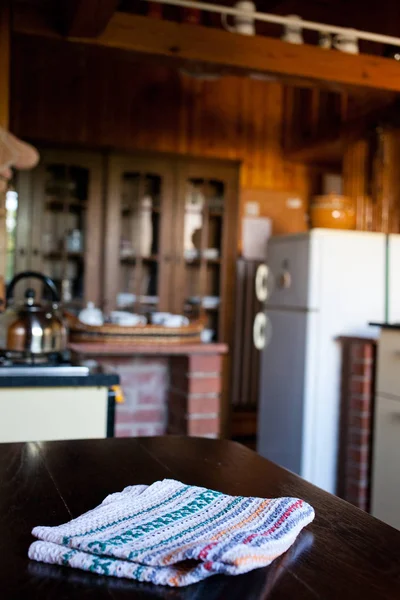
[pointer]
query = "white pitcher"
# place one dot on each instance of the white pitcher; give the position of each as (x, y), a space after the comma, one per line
(346, 43)
(293, 32)
(245, 23)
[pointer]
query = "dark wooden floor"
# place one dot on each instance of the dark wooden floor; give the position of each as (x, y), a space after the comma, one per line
(343, 554)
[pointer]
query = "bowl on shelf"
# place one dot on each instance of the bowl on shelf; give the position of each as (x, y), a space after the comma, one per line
(332, 211)
(211, 253)
(191, 254)
(127, 319)
(194, 300)
(211, 301)
(125, 299)
(169, 319)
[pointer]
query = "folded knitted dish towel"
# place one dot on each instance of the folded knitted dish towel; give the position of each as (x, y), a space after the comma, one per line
(173, 534)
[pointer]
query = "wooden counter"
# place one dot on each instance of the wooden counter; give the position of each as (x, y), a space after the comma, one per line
(147, 349)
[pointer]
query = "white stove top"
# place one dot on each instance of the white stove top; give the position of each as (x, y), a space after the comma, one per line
(43, 370)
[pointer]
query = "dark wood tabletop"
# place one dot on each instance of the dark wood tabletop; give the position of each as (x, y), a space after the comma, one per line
(343, 554)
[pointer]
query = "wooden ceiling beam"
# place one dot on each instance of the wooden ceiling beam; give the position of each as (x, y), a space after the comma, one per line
(183, 44)
(85, 18)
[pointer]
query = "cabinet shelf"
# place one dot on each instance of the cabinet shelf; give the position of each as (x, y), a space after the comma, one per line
(60, 205)
(131, 260)
(126, 212)
(195, 262)
(192, 306)
(59, 254)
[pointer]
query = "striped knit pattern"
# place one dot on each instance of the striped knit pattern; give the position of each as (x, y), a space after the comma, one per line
(173, 534)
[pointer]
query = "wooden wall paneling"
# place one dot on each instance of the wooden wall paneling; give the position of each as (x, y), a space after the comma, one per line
(354, 181)
(392, 180)
(371, 179)
(288, 125)
(266, 145)
(4, 121)
(4, 63)
(71, 101)
(274, 120)
(379, 196)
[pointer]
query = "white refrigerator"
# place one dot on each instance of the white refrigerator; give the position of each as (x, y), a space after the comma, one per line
(323, 284)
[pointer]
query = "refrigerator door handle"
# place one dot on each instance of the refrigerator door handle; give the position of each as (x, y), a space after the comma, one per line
(262, 331)
(284, 280)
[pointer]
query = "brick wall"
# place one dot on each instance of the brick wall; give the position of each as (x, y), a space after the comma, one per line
(144, 382)
(194, 395)
(175, 395)
(357, 404)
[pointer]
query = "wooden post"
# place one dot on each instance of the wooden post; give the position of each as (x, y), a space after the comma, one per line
(4, 63)
(4, 121)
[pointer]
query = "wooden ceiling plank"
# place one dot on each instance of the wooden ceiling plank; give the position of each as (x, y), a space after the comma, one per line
(181, 43)
(85, 18)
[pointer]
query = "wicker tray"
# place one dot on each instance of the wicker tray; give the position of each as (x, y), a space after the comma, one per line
(138, 334)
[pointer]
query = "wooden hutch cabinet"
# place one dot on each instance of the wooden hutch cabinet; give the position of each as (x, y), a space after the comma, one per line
(140, 232)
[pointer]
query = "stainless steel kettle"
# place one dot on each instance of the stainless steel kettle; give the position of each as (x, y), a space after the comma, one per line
(29, 327)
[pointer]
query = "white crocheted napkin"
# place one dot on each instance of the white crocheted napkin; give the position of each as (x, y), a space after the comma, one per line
(173, 534)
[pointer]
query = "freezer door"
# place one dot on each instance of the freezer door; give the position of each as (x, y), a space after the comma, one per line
(292, 272)
(281, 401)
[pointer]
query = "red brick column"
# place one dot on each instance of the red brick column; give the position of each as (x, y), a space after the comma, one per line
(358, 369)
(195, 395)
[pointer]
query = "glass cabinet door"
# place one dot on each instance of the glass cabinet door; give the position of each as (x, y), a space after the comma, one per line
(138, 204)
(64, 225)
(59, 224)
(203, 250)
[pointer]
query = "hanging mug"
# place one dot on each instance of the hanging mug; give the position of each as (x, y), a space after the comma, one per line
(346, 43)
(293, 32)
(244, 23)
(325, 40)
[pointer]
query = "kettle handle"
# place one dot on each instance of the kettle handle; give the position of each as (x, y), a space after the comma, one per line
(49, 283)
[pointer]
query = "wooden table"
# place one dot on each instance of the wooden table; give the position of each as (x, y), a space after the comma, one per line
(344, 554)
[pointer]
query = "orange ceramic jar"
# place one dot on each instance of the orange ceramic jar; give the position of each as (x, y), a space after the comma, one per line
(332, 212)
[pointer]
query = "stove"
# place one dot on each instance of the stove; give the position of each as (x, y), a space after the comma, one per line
(19, 363)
